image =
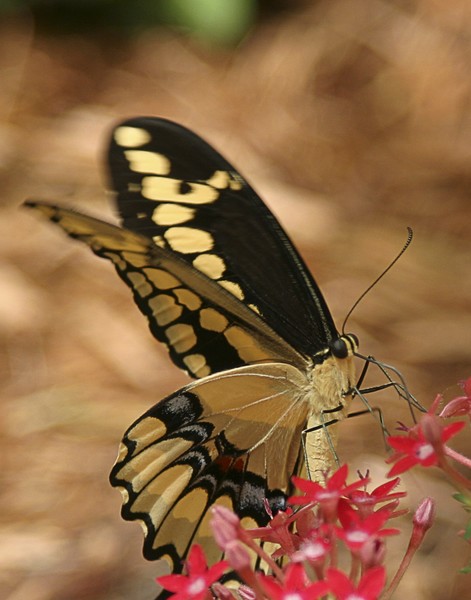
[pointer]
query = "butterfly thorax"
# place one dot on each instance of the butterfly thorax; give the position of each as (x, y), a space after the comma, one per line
(330, 383)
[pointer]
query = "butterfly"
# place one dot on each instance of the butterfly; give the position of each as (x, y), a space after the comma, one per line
(224, 288)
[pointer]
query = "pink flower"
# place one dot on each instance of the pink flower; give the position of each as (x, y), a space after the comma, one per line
(296, 585)
(194, 585)
(461, 405)
(425, 514)
(369, 588)
(422, 445)
(366, 501)
(424, 517)
(357, 531)
(327, 497)
(314, 550)
(225, 525)
(229, 536)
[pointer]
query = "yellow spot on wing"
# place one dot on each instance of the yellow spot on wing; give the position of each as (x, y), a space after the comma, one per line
(213, 320)
(131, 137)
(122, 452)
(219, 179)
(124, 495)
(182, 337)
(159, 495)
(236, 184)
(145, 432)
(187, 298)
(185, 509)
(196, 363)
(166, 188)
(244, 344)
(162, 279)
(142, 161)
(172, 214)
(254, 308)
(146, 465)
(136, 260)
(224, 179)
(188, 240)
(179, 526)
(116, 260)
(140, 284)
(159, 241)
(165, 309)
(210, 264)
(233, 288)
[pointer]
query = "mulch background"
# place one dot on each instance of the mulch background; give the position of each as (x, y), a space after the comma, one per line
(353, 121)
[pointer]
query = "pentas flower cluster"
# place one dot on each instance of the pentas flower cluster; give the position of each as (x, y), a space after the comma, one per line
(309, 540)
(332, 540)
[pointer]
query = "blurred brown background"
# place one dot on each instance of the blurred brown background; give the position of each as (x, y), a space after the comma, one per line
(351, 118)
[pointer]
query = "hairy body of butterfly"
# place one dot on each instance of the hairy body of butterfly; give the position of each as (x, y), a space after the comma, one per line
(224, 288)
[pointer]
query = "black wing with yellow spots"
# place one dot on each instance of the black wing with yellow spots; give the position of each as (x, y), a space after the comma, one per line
(174, 188)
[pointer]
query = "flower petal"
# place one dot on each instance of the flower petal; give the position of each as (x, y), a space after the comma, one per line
(372, 583)
(402, 465)
(196, 561)
(172, 583)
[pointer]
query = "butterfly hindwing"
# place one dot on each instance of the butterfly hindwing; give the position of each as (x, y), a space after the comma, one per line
(192, 451)
(174, 188)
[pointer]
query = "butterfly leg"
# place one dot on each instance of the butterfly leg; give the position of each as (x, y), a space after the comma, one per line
(400, 386)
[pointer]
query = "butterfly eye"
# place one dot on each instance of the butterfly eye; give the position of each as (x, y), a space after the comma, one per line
(342, 346)
(339, 348)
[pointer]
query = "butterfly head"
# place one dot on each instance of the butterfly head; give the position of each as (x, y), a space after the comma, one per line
(344, 345)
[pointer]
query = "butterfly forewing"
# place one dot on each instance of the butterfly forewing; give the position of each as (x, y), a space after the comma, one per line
(176, 189)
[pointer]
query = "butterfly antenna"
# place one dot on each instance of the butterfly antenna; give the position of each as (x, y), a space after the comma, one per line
(410, 235)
